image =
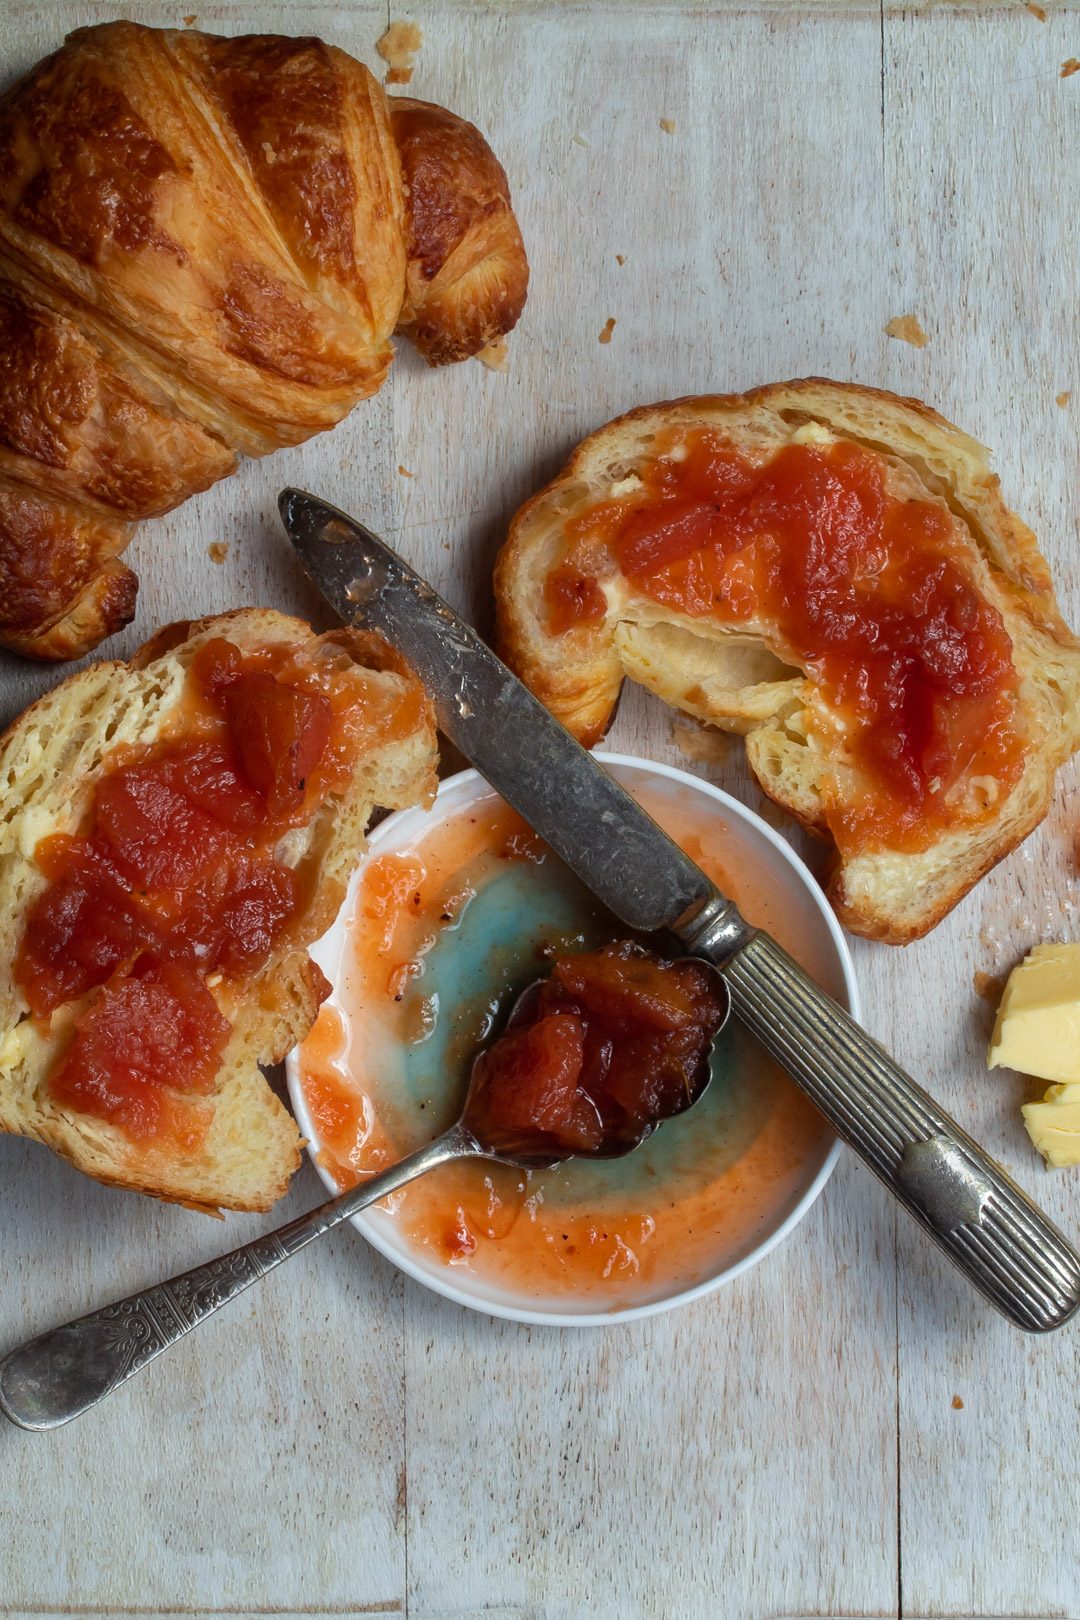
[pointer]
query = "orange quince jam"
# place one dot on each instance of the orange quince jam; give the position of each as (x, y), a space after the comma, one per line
(603, 1051)
(870, 594)
(174, 879)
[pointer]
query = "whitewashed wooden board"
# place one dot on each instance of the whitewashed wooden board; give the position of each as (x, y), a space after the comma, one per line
(345, 1443)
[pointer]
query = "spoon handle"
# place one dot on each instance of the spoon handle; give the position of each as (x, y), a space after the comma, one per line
(63, 1373)
(1000, 1240)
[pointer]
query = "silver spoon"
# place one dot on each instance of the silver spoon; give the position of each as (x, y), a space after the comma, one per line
(62, 1373)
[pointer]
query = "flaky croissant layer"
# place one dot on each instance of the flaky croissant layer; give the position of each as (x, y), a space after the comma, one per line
(205, 246)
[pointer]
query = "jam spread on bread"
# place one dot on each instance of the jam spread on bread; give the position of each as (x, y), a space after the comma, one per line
(871, 594)
(597, 1055)
(572, 598)
(178, 882)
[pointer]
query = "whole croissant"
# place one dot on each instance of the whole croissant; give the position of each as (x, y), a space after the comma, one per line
(205, 245)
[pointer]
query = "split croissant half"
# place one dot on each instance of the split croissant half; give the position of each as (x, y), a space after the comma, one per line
(722, 642)
(205, 245)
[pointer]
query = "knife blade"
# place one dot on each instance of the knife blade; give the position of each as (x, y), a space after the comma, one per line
(577, 807)
(1006, 1247)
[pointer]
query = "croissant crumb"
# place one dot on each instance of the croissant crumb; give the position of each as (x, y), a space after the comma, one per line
(494, 355)
(398, 47)
(908, 330)
(217, 550)
(1069, 67)
(667, 125)
(609, 327)
(1039, 12)
(705, 744)
(1061, 400)
(989, 986)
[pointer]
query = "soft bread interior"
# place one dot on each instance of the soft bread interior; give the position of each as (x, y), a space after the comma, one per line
(744, 681)
(50, 761)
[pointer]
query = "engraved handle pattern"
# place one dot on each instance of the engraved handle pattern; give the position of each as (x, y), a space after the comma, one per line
(64, 1372)
(999, 1239)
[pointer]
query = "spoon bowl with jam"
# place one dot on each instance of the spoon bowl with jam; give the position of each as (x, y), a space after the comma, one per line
(595, 1057)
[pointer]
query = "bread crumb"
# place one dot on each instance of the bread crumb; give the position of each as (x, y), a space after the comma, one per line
(398, 48)
(667, 125)
(620, 258)
(1036, 11)
(217, 551)
(989, 986)
(957, 1404)
(609, 327)
(705, 744)
(1061, 400)
(189, 22)
(579, 140)
(1070, 67)
(404, 471)
(494, 355)
(908, 330)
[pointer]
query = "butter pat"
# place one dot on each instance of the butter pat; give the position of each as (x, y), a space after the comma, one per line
(1038, 1021)
(1054, 1125)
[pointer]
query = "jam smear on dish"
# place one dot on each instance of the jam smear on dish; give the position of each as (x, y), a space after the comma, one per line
(607, 1047)
(176, 877)
(869, 593)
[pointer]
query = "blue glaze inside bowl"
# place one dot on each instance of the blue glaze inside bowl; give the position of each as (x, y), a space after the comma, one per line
(478, 967)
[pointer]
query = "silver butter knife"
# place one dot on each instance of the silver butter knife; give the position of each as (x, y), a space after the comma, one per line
(992, 1231)
(987, 1226)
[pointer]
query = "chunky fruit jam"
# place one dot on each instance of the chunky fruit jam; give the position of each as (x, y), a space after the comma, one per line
(176, 879)
(615, 1041)
(572, 598)
(870, 594)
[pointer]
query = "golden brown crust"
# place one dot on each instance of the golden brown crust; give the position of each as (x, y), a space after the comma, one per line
(203, 254)
(61, 587)
(467, 275)
(702, 668)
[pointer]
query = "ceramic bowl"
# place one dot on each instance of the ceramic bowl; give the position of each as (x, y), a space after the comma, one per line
(756, 856)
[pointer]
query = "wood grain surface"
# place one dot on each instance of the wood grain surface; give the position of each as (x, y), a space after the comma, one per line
(343, 1442)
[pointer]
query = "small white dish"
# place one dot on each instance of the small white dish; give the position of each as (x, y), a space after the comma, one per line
(809, 928)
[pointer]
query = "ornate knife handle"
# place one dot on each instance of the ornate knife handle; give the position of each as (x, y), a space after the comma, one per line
(1000, 1240)
(64, 1372)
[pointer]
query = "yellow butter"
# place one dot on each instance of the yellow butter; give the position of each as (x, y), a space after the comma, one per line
(1038, 1021)
(1054, 1125)
(815, 433)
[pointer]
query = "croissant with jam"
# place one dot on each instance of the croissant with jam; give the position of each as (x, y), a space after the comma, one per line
(205, 246)
(830, 573)
(179, 830)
